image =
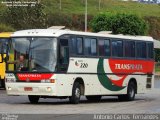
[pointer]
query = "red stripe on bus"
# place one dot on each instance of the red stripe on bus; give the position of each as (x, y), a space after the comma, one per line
(33, 76)
(129, 67)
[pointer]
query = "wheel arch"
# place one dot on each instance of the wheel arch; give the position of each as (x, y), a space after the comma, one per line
(82, 85)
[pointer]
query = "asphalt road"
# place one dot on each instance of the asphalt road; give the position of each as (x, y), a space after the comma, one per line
(144, 103)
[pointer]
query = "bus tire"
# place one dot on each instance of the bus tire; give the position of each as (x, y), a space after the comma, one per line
(94, 98)
(2, 83)
(131, 91)
(33, 99)
(76, 93)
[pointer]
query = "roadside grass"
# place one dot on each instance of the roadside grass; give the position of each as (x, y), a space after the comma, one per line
(157, 69)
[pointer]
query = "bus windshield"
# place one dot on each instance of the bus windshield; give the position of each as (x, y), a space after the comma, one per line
(39, 52)
(3, 44)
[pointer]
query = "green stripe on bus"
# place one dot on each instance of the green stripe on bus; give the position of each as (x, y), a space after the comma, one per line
(104, 80)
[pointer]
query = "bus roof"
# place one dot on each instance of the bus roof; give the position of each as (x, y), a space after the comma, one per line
(57, 33)
(5, 34)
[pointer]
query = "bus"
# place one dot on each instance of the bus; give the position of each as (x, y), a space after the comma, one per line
(71, 64)
(4, 39)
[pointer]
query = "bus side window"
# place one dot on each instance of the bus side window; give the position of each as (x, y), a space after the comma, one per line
(63, 54)
(150, 50)
(93, 47)
(117, 48)
(141, 50)
(129, 49)
(79, 46)
(73, 46)
(90, 46)
(104, 47)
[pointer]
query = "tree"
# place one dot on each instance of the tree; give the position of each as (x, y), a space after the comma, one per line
(119, 24)
(26, 17)
(157, 55)
(101, 22)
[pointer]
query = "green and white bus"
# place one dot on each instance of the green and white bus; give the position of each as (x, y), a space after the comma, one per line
(71, 64)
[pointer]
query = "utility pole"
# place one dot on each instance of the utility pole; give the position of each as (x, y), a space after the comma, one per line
(99, 5)
(86, 16)
(60, 4)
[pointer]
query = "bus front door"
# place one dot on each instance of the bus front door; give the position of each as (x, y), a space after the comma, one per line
(63, 55)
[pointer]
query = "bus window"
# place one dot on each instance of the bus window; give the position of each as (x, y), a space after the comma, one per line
(79, 46)
(101, 47)
(129, 49)
(117, 48)
(90, 46)
(140, 49)
(150, 50)
(107, 47)
(104, 47)
(87, 46)
(73, 46)
(93, 47)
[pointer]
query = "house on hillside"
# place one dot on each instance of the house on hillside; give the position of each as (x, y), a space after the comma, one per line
(150, 1)
(146, 1)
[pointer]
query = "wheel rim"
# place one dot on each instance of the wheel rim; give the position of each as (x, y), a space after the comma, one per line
(77, 92)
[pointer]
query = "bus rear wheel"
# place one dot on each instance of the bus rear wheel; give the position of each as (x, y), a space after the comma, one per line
(76, 93)
(131, 91)
(94, 98)
(33, 99)
(2, 83)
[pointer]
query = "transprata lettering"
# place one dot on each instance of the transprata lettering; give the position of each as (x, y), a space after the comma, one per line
(129, 66)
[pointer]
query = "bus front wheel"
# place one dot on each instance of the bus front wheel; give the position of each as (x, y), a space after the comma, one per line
(131, 91)
(33, 99)
(76, 93)
(2, 83)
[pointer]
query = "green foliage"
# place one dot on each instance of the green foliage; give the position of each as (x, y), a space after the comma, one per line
(119, 24)
(59, 19)
(154, 26)
(6, 28)
(74, 21)
(114, 6)
(26, 17)
(157, 55)
(101, 22)
(128, 24)
(72, 14)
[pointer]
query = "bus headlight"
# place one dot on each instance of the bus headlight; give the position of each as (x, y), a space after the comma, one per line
(9, 88)
(48, 89)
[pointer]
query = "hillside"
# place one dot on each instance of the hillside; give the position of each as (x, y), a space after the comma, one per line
(115, 6)
(74, 9)
(71, 14)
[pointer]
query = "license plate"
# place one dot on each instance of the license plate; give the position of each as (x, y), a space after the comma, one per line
(28, 89)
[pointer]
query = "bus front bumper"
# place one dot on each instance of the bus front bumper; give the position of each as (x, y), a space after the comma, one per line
(46, 89)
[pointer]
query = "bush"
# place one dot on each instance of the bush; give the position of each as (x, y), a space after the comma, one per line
(119, 24)
(101, 22)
